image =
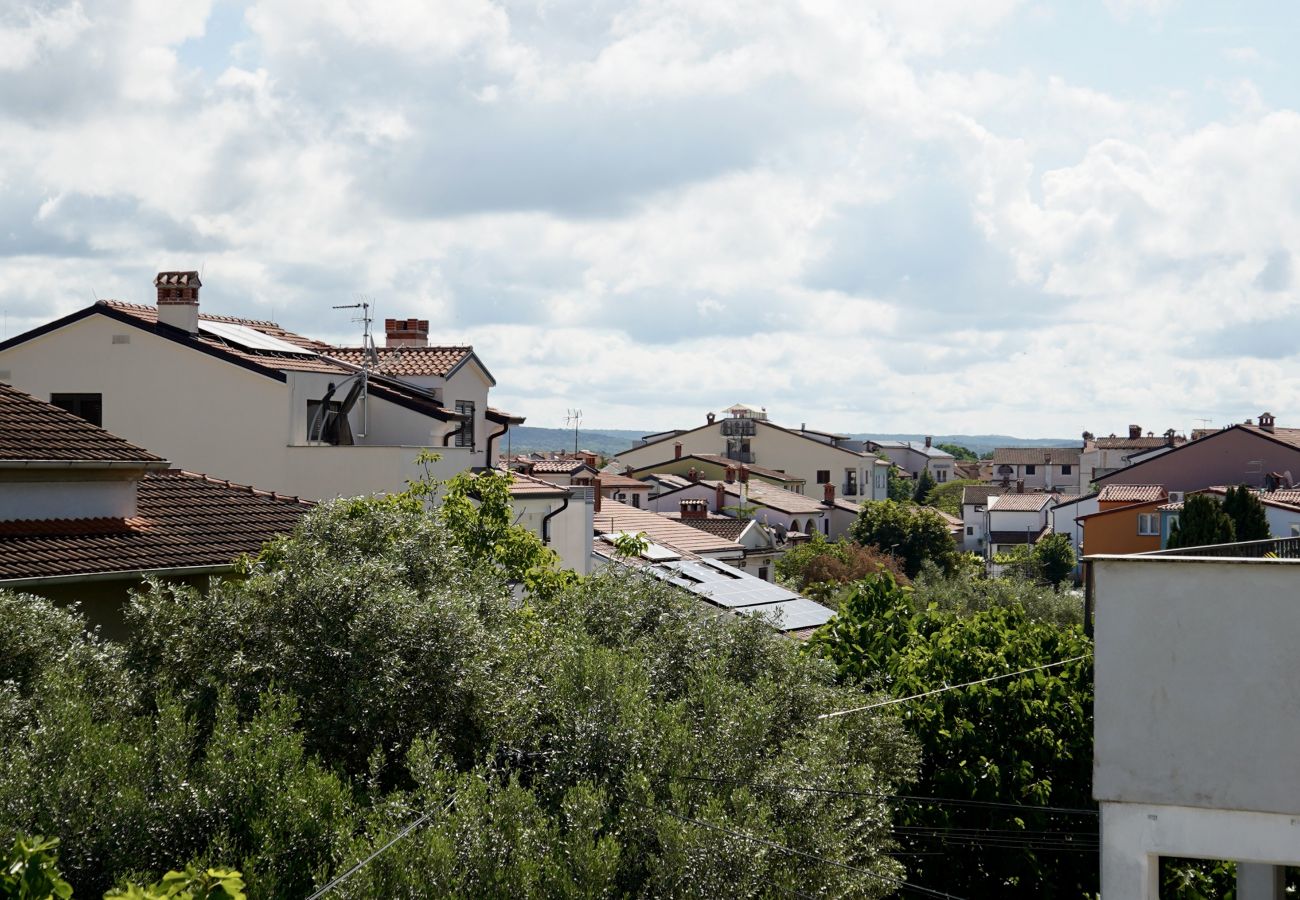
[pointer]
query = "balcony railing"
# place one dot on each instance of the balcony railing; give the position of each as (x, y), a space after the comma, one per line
(744, 456)
(1271, 548)
(739, 428)
(849, 490)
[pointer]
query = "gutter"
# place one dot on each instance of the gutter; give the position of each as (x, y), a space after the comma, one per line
(499, 434)
(146, 465)
(546, 519)
(57, 580)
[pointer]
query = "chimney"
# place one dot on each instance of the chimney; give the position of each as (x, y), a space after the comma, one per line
(178, 300)
(677, 450)
(1170, 437)
(595, 498)
(719, 497)
(710, 417)
(406, 332)
(1020, 486)
(828, 494)
(694, 509)
(1266, 422)
(744, 475)
(731, 474)
(1134, 431)
(928, 440)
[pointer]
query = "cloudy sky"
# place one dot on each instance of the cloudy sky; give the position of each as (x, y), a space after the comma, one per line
(939, 216)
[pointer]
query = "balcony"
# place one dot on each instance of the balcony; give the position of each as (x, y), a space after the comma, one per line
(1270, 548)
(739, 428)
(744, 456)
(850, 489)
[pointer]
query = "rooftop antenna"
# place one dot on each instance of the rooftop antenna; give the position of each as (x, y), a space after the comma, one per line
(371, 357)
(574, 418)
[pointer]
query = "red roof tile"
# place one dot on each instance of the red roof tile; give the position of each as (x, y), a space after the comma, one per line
(183, 520)
(406, 361)
(32, 429)
(1020, 502)
(1131, 493)
(615, 518)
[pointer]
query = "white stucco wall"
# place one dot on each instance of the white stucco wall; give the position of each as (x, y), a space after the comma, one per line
(1062, 520)
(66, 499)
(1198, 683)
(570, 530)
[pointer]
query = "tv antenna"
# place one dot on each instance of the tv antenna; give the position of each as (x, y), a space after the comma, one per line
(371, 358)
(574, 418)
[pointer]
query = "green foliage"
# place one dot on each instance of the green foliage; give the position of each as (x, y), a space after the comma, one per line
(947, 496)
(1202, 522)
(969, 592)
(816, 567)
(1054, 555)
(960, 452)
(1249, 520)
(901, 487)
(30, 871)
(191, 884)
(925, 483)
(913, 534)
(630, 546)
(375, 666)
(1024, 740)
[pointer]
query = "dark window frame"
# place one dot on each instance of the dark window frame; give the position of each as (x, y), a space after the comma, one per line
(83, 405)
(465, 433)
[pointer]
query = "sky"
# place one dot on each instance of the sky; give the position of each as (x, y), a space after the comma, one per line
(944, 217)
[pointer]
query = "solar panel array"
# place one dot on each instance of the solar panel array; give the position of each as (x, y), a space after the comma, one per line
(743, 593)
(250, 338)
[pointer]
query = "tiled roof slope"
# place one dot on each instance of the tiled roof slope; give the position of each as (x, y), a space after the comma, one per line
(183, 520)
(558, 466)
(523, 485)
(1131, 493)
(1290, 436)
(1021, 502)
(31, 429)
(979, 494)
(1035, 456)
(723, 527)
(615, 517)
(406, 361)
(761, 471)
(772, 497)
(309, 361)
(1128, 443)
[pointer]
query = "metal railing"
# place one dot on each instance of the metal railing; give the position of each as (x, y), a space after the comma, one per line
(744, 456)
(850, 489)
(739, 428)
(1270, 548)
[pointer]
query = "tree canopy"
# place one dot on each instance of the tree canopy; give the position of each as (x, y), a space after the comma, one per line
(960, 452)
(924, 484)
(1249, 519)
(1201, 523)
(914, 534)
(947, 496)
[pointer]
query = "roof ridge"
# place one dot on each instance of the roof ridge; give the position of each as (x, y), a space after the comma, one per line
(234, 485)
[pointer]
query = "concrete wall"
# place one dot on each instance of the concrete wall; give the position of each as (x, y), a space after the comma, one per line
(570, 530)
(1062, 521)
(65, 497)
(1198, 683)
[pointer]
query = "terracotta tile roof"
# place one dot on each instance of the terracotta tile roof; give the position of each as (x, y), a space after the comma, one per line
(183, 520)
(762, 471)
(622, 482)
(1289, 436)
(1289, 497)
(779, 499)
(979, 494)
(1128, 443)
(528, 486)
(1020, 502)
(953, 521)
(1035, 456)
(615, 517)
(721, 526)
(309, 360)
(1131, 493)
(1066, 499)
(848, 505)
(406, 361)
(558, 466)
(32, 429)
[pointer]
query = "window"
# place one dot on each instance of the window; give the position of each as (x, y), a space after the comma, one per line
(1030, 470)
(329, 425)
(970, 531)
(850, 483)
(1006, 470)
(636, 499)
(941, 475)
(1148, 523)
(762, 572)
(88, 406)
(1067, 469)
(1295, 529)
(465, 434)
(823, 476)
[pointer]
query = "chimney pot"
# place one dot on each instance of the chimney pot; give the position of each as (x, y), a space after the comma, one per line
(719, 497)
(406, 332)
(677, 450)
(1020, 486)
(595, 500)
(710, 417)
(178, 300)
(744, 475)
(731, 474)
(828, 493)
(1135, 431)
(1266, 421)
(928, 440)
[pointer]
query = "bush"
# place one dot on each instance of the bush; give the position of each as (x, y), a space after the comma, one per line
(913, 534)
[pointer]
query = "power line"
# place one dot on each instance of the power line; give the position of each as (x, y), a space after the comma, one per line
(951, 687)
(907, 885)
(369, 859)
(910, 798)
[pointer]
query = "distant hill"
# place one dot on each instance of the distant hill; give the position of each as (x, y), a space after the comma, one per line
(979, 443)
(608, 441)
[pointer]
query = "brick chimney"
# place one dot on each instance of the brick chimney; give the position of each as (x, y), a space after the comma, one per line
(743, 475)
(677, 450)
(694, 509)
(178, 300)
(1020, 485)
(693, 474)
(828, 494)
(928, 441)
(719, 497)
(1266, 422)
(731, 474)
(406, 332)
(595, 499)
(1134, 432)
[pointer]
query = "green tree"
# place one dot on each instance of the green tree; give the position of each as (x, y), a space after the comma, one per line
(901, 487)
(30, 871)
(1201, 523)
(960, 452)
(1055, 558)
(1022, 740)
(818, 567)
(924, 485)
(947, 496)
(1249, 519)
(913, 534)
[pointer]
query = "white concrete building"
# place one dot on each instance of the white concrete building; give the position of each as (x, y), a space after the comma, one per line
(1016, 519)
(246, 400)
(560, 515)
(1041, 469)
(975, 523)
(817, 458)
(1197, 688)
(915, 457)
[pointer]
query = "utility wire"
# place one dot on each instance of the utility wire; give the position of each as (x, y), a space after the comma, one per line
(909, 798)
(952, 687)
(916, 888)
(369, 859)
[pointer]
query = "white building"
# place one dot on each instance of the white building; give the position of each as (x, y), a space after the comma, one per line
(782, 510)
(1016, 519)
(1041, 469)
(560, 515)
(1064, 515)
(817, 458)
(1197, 688)
(915, 457)
(248, 401)
(975, 523)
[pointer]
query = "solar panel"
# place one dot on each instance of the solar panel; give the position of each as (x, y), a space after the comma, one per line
(791, 615)
(250, 338)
